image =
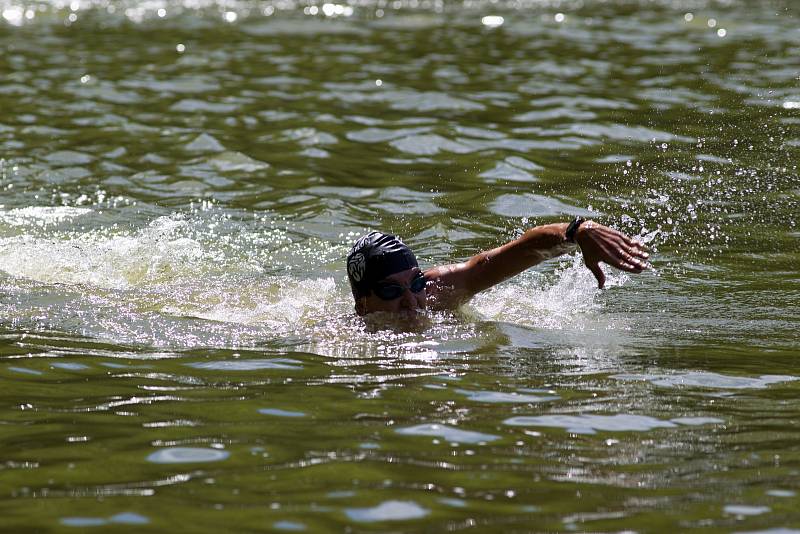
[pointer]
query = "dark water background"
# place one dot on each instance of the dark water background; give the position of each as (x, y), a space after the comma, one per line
(178, 190)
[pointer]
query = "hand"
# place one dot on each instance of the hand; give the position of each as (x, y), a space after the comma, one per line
(601, 243)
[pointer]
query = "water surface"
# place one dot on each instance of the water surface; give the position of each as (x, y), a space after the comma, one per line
(180, 183)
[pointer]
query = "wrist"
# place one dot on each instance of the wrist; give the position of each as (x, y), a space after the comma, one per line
(572, 229)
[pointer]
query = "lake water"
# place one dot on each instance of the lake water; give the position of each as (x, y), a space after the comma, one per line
(180, 183)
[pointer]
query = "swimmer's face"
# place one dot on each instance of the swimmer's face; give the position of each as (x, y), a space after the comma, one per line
(408, 301)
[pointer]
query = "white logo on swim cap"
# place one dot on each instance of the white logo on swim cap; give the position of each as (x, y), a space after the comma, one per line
(356, 266)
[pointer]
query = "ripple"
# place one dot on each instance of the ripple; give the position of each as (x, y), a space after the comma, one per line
(781, 493)
(129, 518)
(248, 365)
(388, 511)
(180, 455)
(25, 370)
(124, 518)
(69, 366)
(83, 521)
(289, 525)
(307, 136)
(280, 413)
(67, 158)
(378, 135)
(205, 143)
(501, 397)
(622, 132)
(705, 379)
(304, 27)
(589, 424)
(451, 501)
(178, 84)
(743, 509)
(429, 101)
(505, 171)
(696, 421)
(105, 92)
(532, 205)
(447, 433)
(236, 161)
(191, 105)
(428, 145)
(556, 113)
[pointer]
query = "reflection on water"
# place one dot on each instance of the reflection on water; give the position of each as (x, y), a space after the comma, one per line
(589, 424)
(179, 185)
(177, 455)
(388, 511)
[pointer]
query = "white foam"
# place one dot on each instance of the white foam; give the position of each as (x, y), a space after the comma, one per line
(153, 254)
(532, 299)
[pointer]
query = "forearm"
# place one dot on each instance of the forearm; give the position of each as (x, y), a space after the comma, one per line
(484, 270)
(533, 247)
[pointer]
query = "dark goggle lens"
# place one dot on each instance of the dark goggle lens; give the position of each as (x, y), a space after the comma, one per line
(417, 284)
(393, 291)
(388, 291)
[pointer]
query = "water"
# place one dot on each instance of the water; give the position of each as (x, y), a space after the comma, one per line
(180, 183)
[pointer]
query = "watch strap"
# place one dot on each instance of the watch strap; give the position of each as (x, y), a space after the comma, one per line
(572, 229)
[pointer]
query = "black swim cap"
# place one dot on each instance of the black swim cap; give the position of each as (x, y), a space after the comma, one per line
(374, 257)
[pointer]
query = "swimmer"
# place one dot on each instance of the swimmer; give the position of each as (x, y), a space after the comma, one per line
(385, 277)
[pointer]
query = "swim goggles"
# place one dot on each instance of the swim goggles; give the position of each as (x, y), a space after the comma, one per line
(391, 291)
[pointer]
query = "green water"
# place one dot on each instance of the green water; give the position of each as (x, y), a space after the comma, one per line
(177, 194)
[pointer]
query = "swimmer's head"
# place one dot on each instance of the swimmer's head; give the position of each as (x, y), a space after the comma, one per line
(384, 275)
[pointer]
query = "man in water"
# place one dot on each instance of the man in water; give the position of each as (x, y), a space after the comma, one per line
(384, 275)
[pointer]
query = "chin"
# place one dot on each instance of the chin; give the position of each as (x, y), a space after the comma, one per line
(400, 320)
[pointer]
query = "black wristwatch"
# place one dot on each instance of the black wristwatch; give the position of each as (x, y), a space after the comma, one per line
(572, 229)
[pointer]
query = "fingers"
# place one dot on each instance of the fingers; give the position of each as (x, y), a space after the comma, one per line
(617, 256)
(632, 245)
(633, 257)
(631, 254)
(627, 240)
(610, 246)
(598, 273)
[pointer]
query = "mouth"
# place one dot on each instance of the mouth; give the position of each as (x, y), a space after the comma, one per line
(411, 319)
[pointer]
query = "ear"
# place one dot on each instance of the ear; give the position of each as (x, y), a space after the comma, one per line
(361, 306)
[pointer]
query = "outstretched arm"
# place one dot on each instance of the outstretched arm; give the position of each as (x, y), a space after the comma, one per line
(457, 283)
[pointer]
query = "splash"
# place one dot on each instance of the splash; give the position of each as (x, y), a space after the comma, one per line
(156, 254)
(565, 298)
(208, 278)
